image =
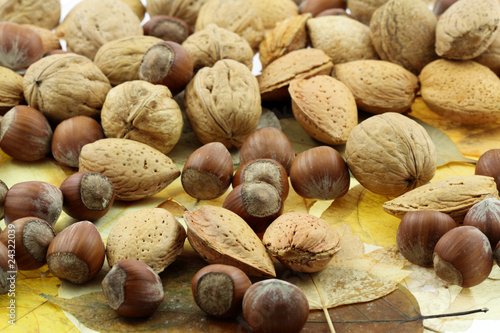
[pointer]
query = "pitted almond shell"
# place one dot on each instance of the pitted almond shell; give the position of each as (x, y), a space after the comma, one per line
(302, 242)
(222, 237)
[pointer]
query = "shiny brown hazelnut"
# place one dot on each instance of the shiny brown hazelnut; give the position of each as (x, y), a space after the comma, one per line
(167, 28)
(268, 142)
(20, 46)
(3, 192)
(265, 170)
(496, 254)
(317, 6)
(87, 195)
(419, 231)
(33, 198)
(218, 290)
(77, 253)
(485, 215)
(335, 12)
(488, 164)
(31, 237)
(8, 270)
(50, 41)
(258, 203)
(274, 306)
(208, 171)
(71, 135)
(440, 6)
(25, 133)
(167, 63)
(133, 289)
(320, 173)
(463, 256)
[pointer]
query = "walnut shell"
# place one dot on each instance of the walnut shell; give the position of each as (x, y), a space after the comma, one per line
(137, 7)
(151, 235)
(342, 38)
(92, 23)
(11, 89)
(234, 15)
(59, 86)
(222, 237)
(467, 28)
(275, 78)
(302, 242)
(403, 32)
(144, 112)
(43, 13)
(212, 43)
(136, 170)
(287, 36)
(390, 154)
(363, 9)
(461, 91)
(453, 196)
(186, 10)
(324, 107)
(378, 86)
(120, 59)
(272, 12)
(223, 103)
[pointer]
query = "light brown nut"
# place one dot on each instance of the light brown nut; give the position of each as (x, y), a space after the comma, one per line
(276, 77)
(92, 23)
(467, 28)
(136, 170)
(461, 91)
(137, 7)
(403, 32)
(324, 107)
(342, 38)
(222, 237)
(120, 59)
(363, 9)
(59, 86)
(453, 196)
(302, 242)
(43, 13)
(287, 36)
(223, 103)
(186, 10)
(272, 12)
(213, 43)
(378, 86)
(151, 235)
(491, 57)
(144, 112)
(50, 41)
(11, 89)
(234, 15)
(390, 154)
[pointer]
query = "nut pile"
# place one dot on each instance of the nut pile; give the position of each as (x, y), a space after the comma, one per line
(116, 102)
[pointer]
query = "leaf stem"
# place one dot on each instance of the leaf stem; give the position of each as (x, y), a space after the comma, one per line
(325, 309)
(453, 314)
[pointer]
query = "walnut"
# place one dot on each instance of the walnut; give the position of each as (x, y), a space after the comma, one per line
(11, 89)
(272, 12)
(213, 43)
(120, 59)
(65, 85)
(92, 23)
(186, 10)
(390, 154)
(43, 13)
(144, 112)
(223, 103)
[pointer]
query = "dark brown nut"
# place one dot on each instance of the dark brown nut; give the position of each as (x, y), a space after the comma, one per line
(20, 46)
(485, 215)
(167, 28)
(3, 192)
(8, 270)
(317, 6)
(488, 165)
(50, 41)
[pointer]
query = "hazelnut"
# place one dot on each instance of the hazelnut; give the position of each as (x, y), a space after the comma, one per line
(76, 254)
(488, 164)
(320, 173)
(333, 12)
(317, 6)
(258, 203)
(33, 198)
(3, 192)
(167, 28)
(274, 306)
(133, 289)
(20, 46)
(8, 269)
(50, 41)
(32, 237)
(71, 135)
(268, 142)
(25, 133)
(87, 195)
(485, 215)
(219, 289)
(208, 171)
(496, 254)
(266, 170)
(463, 256)
(167, 63)
(418, 233)
(440, 6)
